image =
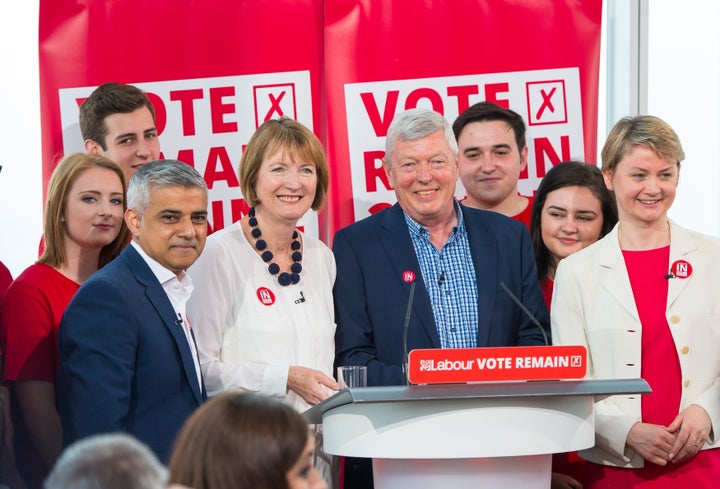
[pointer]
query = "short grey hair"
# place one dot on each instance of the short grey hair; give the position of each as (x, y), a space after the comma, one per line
(109, 461)
(160, 174)
(415, 124)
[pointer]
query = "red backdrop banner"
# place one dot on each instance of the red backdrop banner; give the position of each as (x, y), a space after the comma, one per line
(214, 71)
(217, 69)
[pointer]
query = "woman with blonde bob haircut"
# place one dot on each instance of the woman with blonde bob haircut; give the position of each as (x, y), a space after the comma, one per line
(244, 441)
(644, 302)
(84, 230)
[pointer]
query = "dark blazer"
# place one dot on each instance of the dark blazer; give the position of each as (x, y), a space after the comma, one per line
(125, 363)
(371, 298)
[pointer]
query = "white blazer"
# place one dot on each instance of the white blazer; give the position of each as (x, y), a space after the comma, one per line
(593, 305)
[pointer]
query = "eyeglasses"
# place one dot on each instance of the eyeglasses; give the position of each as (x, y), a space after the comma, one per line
(412, 167)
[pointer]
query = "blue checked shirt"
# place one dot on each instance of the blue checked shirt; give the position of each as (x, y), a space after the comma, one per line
(449, 276)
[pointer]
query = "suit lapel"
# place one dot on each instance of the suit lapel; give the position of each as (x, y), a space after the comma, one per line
(160, 301)
(681, 246)
(613, 273)
(395, 240)
(484, 252)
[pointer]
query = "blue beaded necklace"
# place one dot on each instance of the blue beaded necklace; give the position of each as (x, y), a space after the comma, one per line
(284, 278)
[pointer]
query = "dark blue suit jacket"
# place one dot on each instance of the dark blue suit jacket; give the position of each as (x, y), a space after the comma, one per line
(371, 298)
(125, 363)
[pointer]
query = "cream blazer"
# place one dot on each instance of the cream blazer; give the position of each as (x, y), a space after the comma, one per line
(593, 306)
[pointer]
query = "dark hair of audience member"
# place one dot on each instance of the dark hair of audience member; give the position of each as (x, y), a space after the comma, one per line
(238, 441)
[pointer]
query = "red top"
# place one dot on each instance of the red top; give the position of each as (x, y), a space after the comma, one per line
(524, 215)
(30, 314)
(660, 367)
(546, 286)
(5, 279)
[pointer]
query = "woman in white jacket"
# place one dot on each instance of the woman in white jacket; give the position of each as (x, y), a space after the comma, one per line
(644, 301)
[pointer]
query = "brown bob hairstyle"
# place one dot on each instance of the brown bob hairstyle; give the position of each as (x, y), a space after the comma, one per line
(238, 441)
(62, 179)
(299, 144)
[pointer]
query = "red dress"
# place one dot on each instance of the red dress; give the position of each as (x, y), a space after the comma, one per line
(5, 279)
(30, 314)
(546, 286)
(660, 367)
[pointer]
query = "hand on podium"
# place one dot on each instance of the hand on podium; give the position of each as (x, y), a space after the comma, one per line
(308, 383)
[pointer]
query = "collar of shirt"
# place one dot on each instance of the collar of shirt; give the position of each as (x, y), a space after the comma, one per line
(419, 231)
(178, 289)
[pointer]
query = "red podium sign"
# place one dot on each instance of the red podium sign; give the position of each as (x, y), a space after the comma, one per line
(457, 365)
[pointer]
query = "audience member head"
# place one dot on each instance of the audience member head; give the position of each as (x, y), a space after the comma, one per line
(63, 192)
(118, 121)
(167, 213)
(109, 461)
(244, 441)
(491, 154)
(420, 163)
(289, 139)
(572, 209)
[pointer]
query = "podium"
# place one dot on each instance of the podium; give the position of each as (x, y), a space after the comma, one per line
(495, 434)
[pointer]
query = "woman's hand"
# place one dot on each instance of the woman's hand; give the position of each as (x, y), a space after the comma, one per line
(692, 428)
(308, 383)
(563, 481)
(652, 442)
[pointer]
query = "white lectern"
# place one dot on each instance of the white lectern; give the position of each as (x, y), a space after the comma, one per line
(496, 434)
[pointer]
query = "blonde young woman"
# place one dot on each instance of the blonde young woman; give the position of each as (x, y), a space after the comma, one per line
(84, 230)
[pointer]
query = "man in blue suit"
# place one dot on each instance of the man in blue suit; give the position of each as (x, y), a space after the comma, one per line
(128, 360)
(458, 258)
